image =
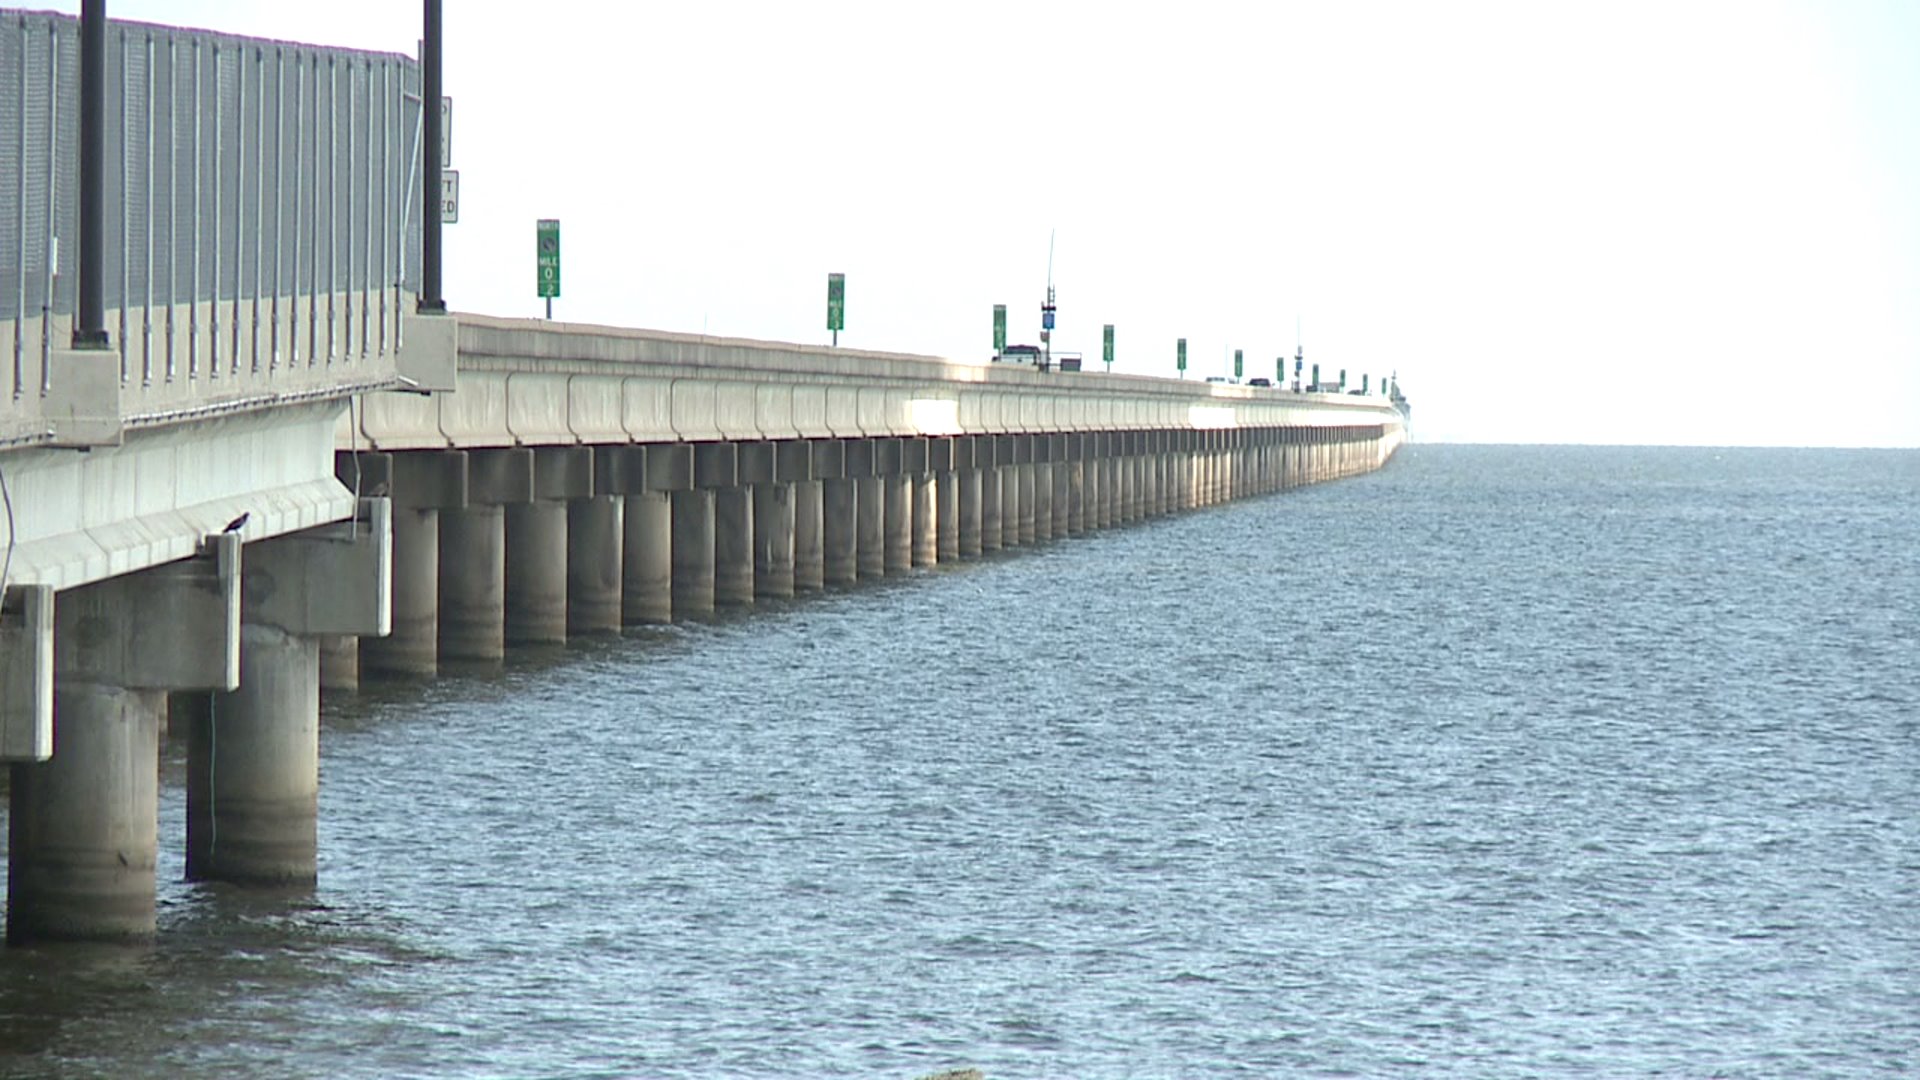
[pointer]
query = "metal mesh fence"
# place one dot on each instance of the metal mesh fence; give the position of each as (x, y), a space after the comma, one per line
(262, 203)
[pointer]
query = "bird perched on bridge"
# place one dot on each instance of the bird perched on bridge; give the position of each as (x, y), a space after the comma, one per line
(238, 523)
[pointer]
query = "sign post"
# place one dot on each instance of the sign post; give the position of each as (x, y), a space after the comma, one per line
(836, 305)
(1239, 365)
(547, 260)
(999, 329)
(1106, 345)
(1181, 358)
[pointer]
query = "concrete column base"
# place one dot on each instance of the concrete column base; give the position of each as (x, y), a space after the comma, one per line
(870, 504)
(692, 554)
(946, 516)
(253, 767)
(596, 544)
(809, 540)
(82, 834)
(412, 647)
(646, 561)
(733, 547)
(773, 519)
(473, 586)
(992, 509)
(969, 513)
(536, 578)
(897, 544)
(839, 531)
(925, 524)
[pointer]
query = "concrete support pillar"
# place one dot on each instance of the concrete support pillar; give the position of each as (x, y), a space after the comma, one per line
(412, 647)
(339, 664)
(83, 832)
(1028, 493)
(870, 508)
(646, 559)
(1076, 497)
(733, 546)
(840, 546)
(809, 551)
(693, 535)
(596, 546)
(536, 583)
(1099, 493)
(1131, 473)
(253, 766)
(946, 516)
(473, 573)
(1060, 497)
(972, 504)
(773, 515)
(1009, 506)
(898, 541)
(992, 510)
(1042, 501)
(925, 520)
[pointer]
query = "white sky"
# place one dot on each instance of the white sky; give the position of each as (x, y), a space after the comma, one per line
(1672, 222)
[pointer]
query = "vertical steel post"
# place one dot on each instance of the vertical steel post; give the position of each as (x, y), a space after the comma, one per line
(90, 323)
(430, 300)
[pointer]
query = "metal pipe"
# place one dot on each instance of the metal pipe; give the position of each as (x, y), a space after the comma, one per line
(146, 317)
(279, 194)
(431, 301)
(20, 208)
(53, 207)
(369, 238)
(313, 239)
(259, 191)
(193, 232)
(333, 202)
(386, 191)
(90, 321)
(173, 192)
(239, 204)
(126, 238)
(299, 201)
(219, 163)
(346, 299)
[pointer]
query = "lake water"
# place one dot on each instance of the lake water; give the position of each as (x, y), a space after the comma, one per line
(1502, 761)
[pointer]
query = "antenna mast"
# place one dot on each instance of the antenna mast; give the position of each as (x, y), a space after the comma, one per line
(1046, 312)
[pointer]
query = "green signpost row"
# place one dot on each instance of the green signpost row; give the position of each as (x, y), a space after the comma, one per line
(999, 329)
(547, 257)
(1106, 345)
(1181, 362)
(836, 304)
(1239, 366)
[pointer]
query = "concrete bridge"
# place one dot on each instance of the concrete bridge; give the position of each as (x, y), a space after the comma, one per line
(276, 474)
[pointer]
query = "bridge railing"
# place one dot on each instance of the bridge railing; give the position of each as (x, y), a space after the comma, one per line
(261, 218)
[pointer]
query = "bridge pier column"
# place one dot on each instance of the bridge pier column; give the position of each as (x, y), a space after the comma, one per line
(473, 580)
(809, 551)
(1130, 473)
(733, 535)
(840, 547)
(1042, 492)
(773, 546)
(870, 508)
(646, 560)
(693, 552)
(83, 834)
(1077, 489)
(1062, 487)
(1029, 492)
(970, 507)
(423, 483)
(946, 510)
(898, 542)
(536, 581)
(83, 826)
(1009, 506)
(926, 519)
(992, 501)
(595, 549)
(1096, 476)
(253, 766)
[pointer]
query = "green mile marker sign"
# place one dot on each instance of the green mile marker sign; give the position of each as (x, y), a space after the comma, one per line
(1182, 361)
(1239, 366)
(1106, 344)
(999, 329)
(547, 256)
(836, 302)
